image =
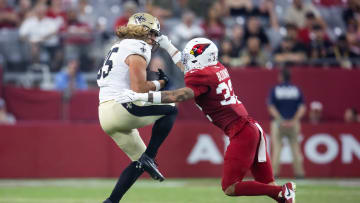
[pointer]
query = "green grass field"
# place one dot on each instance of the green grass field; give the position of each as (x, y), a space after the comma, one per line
(170, 191)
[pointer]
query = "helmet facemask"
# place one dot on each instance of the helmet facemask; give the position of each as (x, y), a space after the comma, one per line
(155, 44)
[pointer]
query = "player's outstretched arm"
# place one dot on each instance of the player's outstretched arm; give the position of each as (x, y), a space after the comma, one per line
(173, 96)
(175, 54)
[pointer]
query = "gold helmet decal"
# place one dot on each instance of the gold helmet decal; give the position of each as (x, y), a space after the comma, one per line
(146, 20)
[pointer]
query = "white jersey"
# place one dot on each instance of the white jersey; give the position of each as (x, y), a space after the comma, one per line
(113, 77)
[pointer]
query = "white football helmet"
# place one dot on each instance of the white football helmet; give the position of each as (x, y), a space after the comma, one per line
(199, 53)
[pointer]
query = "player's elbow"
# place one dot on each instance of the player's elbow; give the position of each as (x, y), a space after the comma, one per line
(180, 98)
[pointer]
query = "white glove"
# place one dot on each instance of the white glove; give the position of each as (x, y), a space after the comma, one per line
(166, 44)
(131, 96)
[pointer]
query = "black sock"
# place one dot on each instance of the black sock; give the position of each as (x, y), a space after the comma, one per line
(125, 181)
(160, 131)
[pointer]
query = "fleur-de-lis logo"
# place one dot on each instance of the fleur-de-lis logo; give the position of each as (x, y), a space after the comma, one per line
(129, 105)
(139, 19)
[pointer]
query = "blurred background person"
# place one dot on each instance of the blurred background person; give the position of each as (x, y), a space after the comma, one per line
(78, 38)
(186, 30)
(70, 78)
(5, 117)
(56, 10)
(41, 34)
(86, 14)
(24, 9)
(351, 115)
(213, 25)
(226, 55)
(351, 14)
(296, 13)
(239, 7)
(253, 28)
(129, 8)
(342, 54)
(315, 112)
(8, 16)
(237, 39)
(9, 50)
(320, 47)
(286, 107)
(253, 55)
(289, 52)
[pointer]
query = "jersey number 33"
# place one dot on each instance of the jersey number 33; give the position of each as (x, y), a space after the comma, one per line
(229, 96)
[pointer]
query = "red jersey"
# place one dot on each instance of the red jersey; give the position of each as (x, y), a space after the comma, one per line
(215, 96)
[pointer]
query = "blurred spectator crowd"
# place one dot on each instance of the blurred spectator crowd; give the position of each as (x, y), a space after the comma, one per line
(47, 36)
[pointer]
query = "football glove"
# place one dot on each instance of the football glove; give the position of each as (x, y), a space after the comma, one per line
(166, 44)
(131, 96)
(163, 76)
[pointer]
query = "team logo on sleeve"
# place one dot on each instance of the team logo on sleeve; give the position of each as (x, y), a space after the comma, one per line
(198, 49)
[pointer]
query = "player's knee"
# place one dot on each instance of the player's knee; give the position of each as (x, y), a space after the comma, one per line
(230, 190)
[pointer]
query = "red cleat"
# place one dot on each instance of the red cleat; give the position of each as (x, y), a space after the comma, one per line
(287, 194)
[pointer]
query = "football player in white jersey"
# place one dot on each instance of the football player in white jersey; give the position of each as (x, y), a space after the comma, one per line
(124, 69)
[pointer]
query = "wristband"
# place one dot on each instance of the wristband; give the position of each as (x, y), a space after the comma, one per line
(157, 85)
(143, 97)
(157, 97)
(171, 49)
(177, 57)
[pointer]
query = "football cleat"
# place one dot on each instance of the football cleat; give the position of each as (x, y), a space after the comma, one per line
(288, 192)
(107, 201)
(149, 165)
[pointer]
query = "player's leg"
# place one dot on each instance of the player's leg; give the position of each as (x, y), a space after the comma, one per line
(127, 178)
(163, 117)
(160, 131)
(132, 144)
(276, 146)
(115, 122)
(244, 144)
(262, 172)
(296, 151)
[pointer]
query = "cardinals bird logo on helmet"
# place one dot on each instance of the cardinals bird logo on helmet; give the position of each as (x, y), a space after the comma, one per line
(199, 53)
(199, 49)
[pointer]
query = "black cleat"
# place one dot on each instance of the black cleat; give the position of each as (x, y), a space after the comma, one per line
(107, 201)
(150, 166)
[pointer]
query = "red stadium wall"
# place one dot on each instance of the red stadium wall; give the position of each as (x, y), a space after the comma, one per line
(42, 150)
(337, 89)
(42, 145)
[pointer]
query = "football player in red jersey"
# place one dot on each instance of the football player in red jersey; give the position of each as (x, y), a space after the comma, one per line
(208, 82)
